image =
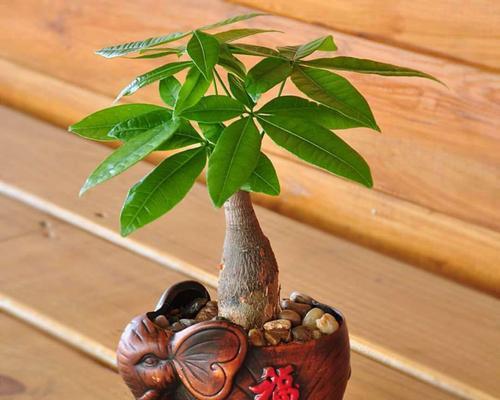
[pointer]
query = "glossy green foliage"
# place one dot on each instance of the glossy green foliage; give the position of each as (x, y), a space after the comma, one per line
(162, 189)
(213, 113)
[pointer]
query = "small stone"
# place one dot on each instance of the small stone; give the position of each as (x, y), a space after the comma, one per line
(194, 307)
(177, 326)
(298, 297)
(292, 316)
(311, 317)
(162, 321)
(212, 304)
(300, 308)
(277, 336)
(256, 337)
(187, 322)
(206, 313)
(301, 333)
(327, 324)
(278, 324)
(316, 334)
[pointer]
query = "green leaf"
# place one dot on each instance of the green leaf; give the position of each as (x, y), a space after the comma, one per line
(233, 160)
(184, 136)
(237, 87)
(325, 43)
(152, 76)
(318, 146)
(214, 109)
(204, 51)
(264, 178)
(169, 90)
(293, 106)
(212, 132)
(131, 47)
(193, 89)
(230, 63)
(154, 55)
(127, 129)
(232, 20)
(162, 189)
(265, 75)
(130, 153)
(252, 50)
(335, 92)
(235, 34)
(97, 125)
(365, 67)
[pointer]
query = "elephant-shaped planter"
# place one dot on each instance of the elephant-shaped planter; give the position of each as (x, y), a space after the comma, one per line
(213, 360)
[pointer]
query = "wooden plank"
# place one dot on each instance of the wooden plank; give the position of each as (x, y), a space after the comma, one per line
(97, 291)
(371, 218)
(386, 302)
(34, 366)
(449, 165)
(469, 35)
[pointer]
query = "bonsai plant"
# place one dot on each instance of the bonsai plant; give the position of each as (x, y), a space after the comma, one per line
(214, 119)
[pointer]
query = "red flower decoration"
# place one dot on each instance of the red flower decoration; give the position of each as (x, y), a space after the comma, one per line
(276, 385)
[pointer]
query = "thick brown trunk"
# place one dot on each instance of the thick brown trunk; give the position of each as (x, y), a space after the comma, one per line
(249, 289)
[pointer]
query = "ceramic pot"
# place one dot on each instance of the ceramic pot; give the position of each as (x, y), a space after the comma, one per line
(212, 360)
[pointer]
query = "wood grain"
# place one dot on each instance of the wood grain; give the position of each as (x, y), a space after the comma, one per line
(386, 302)
(34, 366)
(469, 34)
(96, 292)
(444, 142)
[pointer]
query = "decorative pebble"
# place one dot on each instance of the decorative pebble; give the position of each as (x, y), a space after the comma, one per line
(194, 307)
(177, 326)
(187, 322)
(256, 337)
(316, 334)
(206, 313)
(278, 324)
(301, 333)
(162, 321)
(311, 317)
(277, 336)
(298, 297)
(300, 308)
(327, 324)
(292, 316)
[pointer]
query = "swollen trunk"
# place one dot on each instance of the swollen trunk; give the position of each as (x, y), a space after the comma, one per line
(248, 283)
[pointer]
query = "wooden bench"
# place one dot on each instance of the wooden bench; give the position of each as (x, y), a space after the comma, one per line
(65, 272)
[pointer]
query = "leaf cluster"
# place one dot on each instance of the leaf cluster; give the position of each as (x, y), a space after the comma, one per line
(221, 98)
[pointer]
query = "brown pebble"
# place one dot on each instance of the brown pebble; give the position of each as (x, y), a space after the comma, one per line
(277, 336)
(327, 324)
(300, 308)
(316, 334)
(206, 313)
(301, 333)
(162, 321)
(278, 324)
(256, 337)
(292, 316)
(298, 297)
(177, 326)
(311, 317)
(212, 304)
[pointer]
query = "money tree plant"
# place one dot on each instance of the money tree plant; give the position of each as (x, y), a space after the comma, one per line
(212, 119)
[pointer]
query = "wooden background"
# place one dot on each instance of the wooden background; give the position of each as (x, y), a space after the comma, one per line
(435, 205)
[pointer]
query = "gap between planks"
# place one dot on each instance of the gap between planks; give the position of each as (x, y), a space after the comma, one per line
(106, 356)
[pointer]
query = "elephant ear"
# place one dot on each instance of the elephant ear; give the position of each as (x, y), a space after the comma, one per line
(207, 357)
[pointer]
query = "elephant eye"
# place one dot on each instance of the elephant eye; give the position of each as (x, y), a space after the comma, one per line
(150, 361)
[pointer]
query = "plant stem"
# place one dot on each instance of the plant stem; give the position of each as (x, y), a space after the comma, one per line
(215, 87)
(248, 287)
(222, 83)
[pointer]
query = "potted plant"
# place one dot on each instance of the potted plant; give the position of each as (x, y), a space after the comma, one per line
(250, 344)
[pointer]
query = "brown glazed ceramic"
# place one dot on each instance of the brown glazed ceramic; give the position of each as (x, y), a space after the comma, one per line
(212, 360)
